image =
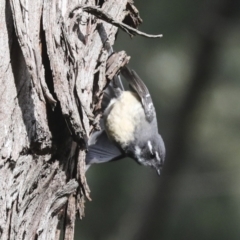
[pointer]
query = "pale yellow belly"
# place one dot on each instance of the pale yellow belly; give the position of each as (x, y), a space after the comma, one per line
(124, 115)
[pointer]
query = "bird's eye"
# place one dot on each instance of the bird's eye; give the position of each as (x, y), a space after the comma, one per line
(152, 155)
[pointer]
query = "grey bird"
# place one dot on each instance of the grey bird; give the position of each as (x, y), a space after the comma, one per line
(129, 125)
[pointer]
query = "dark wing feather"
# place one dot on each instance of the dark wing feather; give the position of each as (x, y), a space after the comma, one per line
(114, 88)
(101, 149)
(138, 85)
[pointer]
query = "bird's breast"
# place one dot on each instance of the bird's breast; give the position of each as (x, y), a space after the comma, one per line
(122, 116)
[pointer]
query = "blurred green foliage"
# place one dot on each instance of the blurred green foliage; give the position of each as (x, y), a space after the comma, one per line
(198, 194)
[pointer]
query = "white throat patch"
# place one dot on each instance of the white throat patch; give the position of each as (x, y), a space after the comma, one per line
(137, 151)
(138, 154)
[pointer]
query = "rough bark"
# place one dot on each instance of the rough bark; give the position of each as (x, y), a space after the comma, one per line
(54, 66)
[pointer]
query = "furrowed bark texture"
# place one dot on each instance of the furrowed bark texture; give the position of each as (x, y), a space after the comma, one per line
(54, 65)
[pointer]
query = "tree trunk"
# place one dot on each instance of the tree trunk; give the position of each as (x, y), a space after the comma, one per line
(54, 66)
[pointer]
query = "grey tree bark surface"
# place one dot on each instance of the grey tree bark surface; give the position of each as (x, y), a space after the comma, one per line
(54, 66)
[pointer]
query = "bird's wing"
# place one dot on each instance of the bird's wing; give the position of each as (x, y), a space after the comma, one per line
(115, 86)
(113, 90)
(101, 149)
(140, 88)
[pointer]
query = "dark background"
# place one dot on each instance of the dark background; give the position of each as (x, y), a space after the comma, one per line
(193, 75)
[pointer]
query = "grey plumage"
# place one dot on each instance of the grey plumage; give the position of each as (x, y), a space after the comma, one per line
(129, 125)
(101, 149)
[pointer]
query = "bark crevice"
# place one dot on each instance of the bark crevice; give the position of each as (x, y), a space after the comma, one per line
(54, 73)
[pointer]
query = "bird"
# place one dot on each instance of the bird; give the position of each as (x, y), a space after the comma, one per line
(129, 125)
